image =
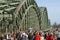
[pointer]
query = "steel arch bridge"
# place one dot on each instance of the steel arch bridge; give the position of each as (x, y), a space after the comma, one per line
(22, 13)
(19, 14)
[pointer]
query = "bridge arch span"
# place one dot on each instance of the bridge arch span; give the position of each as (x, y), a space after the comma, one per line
(31, 6)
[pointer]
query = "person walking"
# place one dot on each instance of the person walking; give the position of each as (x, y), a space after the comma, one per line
(24, 36)
(42, 36)
(58, 38)
(30, 36)
(47, 36)
(37, 36)
(18, 36)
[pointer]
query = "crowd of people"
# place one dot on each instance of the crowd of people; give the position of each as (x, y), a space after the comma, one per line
(34, 35)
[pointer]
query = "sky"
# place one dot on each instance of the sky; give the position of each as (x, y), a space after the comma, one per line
(53, 8)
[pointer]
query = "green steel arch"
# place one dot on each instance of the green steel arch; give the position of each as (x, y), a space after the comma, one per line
(45, 23)
(27, 5)
(31, 6)
(13, 14)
